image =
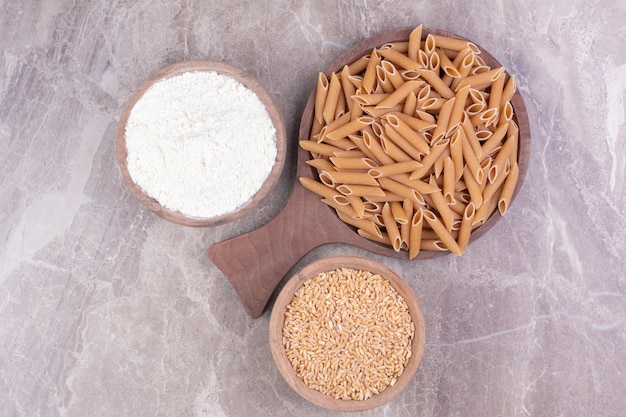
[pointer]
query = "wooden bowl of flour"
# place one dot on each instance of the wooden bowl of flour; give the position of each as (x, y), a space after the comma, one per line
(201, 143)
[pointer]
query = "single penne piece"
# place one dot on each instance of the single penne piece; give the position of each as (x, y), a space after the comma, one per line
(347, 85)
(364, 224)
(426, 92)
(384, 238)
(513, 135)
(486, 117)
(372, 206)
(484, 212)
(392, 73)
(492, 187)
(432, 104)
(316, 128)
(473, 187)
(343, 211)
(457, 58)
(448, 68)
(456, 154)
(389, 196)
(399, 59)
(495, 92)
(341, 107)
(509, 91)
(393, 150)
(458, 110)
(508, 187)
(353, 163)
(482, 80)
(398, 124)
(449, 179)
(318, 148)
(373, 144)
(442, 232)
(383, 80)
(466, 226)
(429, 44)
(415, 233)
(436, 148)
(359, 65)
(438, 165)
(394, 169)
(425, 116)
(349, 128)
(434, 64)
(371, 99)
(351, 153)
(440, 204)
(379, 112)
(397, 210)
(436, 83)
(506, 113)
(334, 124)
(326, 179)
(423, 59)
(453, 44)
(403, 143)
(410, 104)
(321, 164)
(330, 105)
(415, 40)
(470, 135)
(405, 228)
(399, 95)
(504, 154)
(471, 160)
(318, 188)
(475, 108)
(360, 190)
(391, 227)
(358, 206)
(443, 119)
(494, 141)
(465, 68)
(400, 46)
(402, 190)
(358, 141)
(369, 76)
(420, 186)
(457, 206)
(320, 96)
(350, 177)
(413, 123)
(435, 245)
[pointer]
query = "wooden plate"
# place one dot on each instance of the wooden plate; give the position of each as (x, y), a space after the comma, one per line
(247, 81)
(278, 318)
(256, 262)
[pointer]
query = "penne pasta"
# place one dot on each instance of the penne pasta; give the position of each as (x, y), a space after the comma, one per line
(391, 227)
(508, 187)
(415, 144)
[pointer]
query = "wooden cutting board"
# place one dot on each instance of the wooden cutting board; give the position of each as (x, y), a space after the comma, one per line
(256, 262)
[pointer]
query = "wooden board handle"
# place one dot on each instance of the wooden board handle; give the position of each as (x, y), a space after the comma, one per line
(256, 262)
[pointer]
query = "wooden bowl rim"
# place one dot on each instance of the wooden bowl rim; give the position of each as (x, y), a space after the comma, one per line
(249, 82)
(277, 321)
(362, 48)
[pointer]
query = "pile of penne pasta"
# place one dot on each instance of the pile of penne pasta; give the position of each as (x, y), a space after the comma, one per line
(415, 143)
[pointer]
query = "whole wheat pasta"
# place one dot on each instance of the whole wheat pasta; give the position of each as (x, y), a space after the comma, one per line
(394, 169)
(430, 127)
(330, 104)
(415, 234)
(507, 189)
(392, 227)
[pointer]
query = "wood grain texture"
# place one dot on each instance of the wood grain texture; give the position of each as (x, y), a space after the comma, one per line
(278, 317)
(256, 262)
(247, 81)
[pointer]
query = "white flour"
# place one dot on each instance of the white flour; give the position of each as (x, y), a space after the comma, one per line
(200, 143)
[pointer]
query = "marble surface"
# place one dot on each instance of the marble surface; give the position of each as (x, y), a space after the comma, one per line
(109, 310)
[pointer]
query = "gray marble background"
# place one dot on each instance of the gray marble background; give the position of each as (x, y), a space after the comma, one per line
(109, 310)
